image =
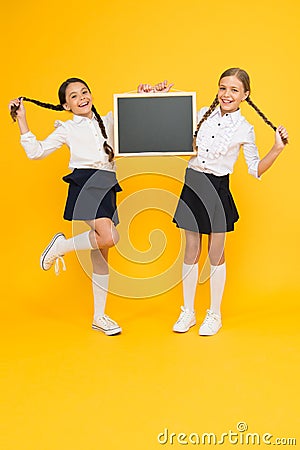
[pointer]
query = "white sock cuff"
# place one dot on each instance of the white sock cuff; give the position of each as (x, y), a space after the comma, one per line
(100, 281)
(187, 269)
(220, 267)
(82, 241)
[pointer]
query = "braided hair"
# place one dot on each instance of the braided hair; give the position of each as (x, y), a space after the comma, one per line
(107, 148)
(206, 115)
(268, 122)
(44, 105)
(243, 76)
(62, 100)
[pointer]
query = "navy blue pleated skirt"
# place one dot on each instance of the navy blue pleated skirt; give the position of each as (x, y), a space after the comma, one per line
(91, 195)
(206, 204)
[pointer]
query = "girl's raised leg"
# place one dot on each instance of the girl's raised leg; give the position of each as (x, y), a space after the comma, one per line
(103, 234)
(99, 239)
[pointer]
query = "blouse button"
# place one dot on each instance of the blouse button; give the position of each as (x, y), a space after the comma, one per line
(207, 149)
(219, 124)
(212, 136)
(203, 162)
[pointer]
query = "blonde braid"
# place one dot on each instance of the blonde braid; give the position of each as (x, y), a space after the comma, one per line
(265, 119)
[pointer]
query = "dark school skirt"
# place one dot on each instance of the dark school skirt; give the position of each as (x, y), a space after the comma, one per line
(91, 195)
(206, 204)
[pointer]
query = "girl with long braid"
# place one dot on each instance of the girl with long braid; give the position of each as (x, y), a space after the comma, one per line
(92, 184)
(206, 205)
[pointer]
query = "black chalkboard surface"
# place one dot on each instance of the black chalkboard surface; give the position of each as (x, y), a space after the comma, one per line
(153, 124)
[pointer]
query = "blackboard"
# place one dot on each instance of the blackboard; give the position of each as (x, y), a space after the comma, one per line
(153, 124)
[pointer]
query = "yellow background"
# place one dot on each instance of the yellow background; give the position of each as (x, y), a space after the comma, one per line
(67, 387)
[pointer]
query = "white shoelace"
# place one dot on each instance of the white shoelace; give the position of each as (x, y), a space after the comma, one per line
(210, 319)
(108, 321)
(56, 265)
(184, 316)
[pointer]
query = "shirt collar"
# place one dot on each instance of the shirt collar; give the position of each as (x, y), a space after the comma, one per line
(234, 116)
(79, 119)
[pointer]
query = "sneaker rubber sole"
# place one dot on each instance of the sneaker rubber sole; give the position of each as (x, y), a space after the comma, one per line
(193, 323)
(209, 333)
(112, 332)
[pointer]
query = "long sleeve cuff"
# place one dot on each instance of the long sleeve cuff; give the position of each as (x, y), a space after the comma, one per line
(253, 170)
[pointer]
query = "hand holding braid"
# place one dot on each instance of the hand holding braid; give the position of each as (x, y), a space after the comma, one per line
(250, 102)
(14, 106)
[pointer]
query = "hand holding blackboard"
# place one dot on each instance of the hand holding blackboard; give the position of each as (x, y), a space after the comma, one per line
(159, 87)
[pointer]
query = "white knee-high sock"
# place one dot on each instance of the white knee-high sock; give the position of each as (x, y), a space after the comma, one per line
(79, 242)
(189, 282)
(217, 284)
(100, 287)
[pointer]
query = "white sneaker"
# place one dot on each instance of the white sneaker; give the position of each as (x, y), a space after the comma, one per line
(211, 324)
(185, 321)
(106, 325)
(51, 255)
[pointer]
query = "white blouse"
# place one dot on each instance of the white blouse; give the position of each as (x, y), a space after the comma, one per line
(83, 137)
(219, 141)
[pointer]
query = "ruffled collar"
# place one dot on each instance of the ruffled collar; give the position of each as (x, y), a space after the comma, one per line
(227, 127)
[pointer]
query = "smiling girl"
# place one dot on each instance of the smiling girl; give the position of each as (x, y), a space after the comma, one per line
(206, 205)
(92, 183)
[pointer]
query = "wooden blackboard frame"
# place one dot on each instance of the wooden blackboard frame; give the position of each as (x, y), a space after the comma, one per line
(117, 138)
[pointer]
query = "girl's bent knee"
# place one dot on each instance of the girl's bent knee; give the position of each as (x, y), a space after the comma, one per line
(107, 240)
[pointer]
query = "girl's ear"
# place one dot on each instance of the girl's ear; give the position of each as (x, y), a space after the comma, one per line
(246, 95)
(66, 107)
